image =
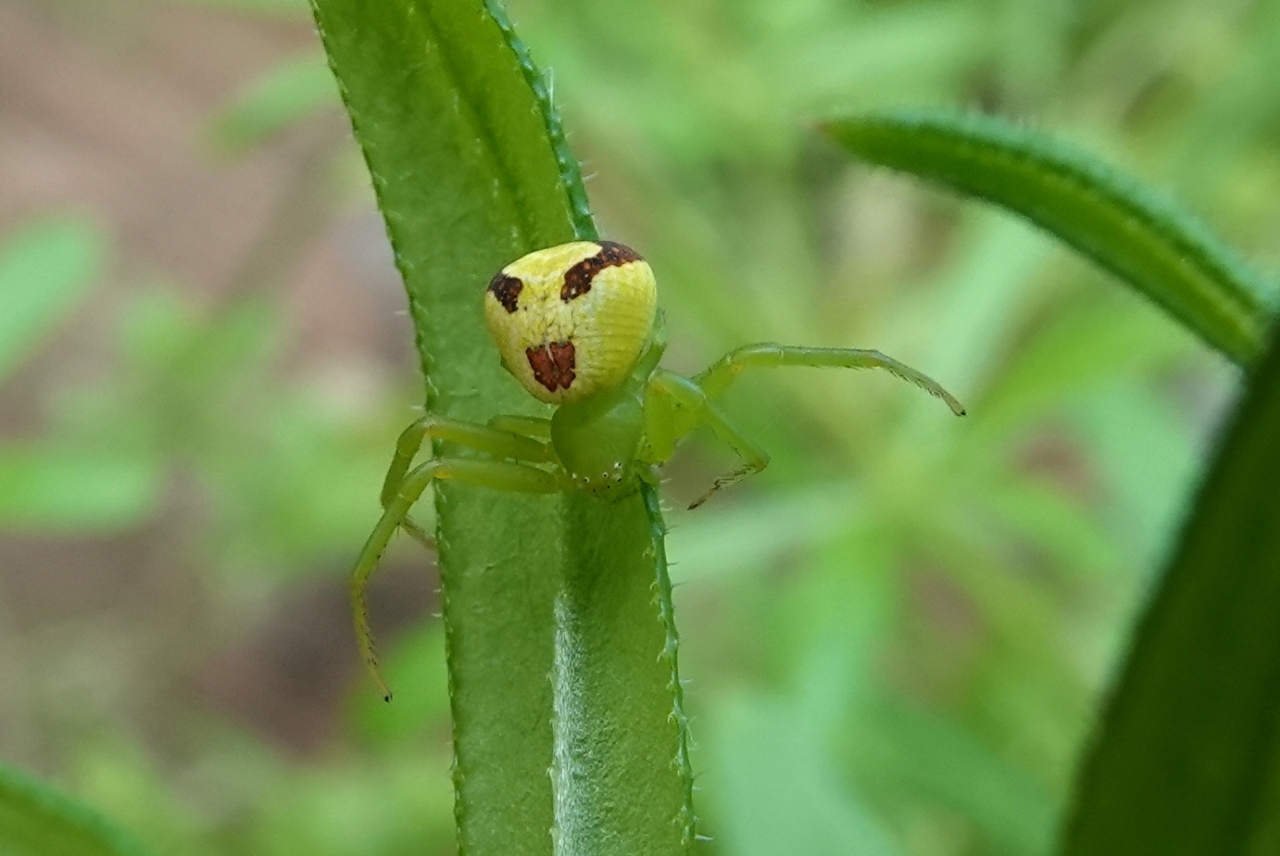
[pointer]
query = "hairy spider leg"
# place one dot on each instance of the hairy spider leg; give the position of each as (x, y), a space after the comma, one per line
(497, 441)
(675, 406)
(717, 377)
(490, 439)
(502, 475)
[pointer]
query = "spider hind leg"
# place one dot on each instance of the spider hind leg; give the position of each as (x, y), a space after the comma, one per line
(510, 437)
(402, 487)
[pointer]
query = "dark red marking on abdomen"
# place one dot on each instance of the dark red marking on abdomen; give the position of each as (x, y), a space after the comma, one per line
(507, 289)
(553, 364)
(577, 279)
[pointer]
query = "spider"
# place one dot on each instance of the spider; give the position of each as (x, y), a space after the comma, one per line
(577, 325)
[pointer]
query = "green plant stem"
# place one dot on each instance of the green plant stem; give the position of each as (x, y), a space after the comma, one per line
(568, 731)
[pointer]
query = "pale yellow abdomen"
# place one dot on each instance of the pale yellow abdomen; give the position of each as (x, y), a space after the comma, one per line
(572, 320)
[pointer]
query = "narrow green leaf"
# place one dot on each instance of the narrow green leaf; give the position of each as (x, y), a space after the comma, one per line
(779, 790)
(44, 268)
(266, 8)
(283, 95)
(568, 732)
(36, 820)
(901, 748)
(1123, 227)
(54, 488)
(1188, 757)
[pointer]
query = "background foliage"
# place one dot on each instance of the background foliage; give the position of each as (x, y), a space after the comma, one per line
(896, 637)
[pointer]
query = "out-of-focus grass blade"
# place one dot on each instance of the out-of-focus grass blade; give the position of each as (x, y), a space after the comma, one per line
(899, 747)
(1122, 226)
(38, 821)
(1149, 462)
(1186, 759)
(269, 8)
(45, 268)
(779, 791)
(283, 95)
(568, 729)
(60, 489)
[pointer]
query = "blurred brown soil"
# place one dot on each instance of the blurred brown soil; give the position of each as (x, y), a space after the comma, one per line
(105, 111)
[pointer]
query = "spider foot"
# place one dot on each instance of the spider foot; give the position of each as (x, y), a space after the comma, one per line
(723, 482)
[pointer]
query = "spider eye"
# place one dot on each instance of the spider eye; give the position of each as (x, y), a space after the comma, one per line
(572, 319)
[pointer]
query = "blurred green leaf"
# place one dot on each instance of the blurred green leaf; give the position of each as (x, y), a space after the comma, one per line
(45, 268)
(281, 96)
(1185, 762)
(1123, 227)
(36, 820)
(471, 171)
(396, 807)
(273, 8)
(298, 509)
(901, 51)
(987, 297)
(1053, 523)
(71, 489)
(1232, 116)
(778, 790)
(1093, 343)
(755, 535)
(1147, 459)
(903, 749)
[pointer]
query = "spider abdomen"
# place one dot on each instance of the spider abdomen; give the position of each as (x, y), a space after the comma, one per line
(572, 320)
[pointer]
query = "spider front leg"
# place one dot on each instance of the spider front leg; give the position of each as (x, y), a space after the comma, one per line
(717, 377)
(504, 437)
(674, 406)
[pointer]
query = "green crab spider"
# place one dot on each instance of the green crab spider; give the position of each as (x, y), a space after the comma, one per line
(577, 325)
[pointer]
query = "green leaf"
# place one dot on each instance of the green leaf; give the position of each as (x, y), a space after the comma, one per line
(780, 791)
(38, 821)
(283, 95)
(1148, 464)
(557, 610)
(1188, 757)
(45, 268)
(1120, 225)
(266, 8)
(70, 489)
(902, 748)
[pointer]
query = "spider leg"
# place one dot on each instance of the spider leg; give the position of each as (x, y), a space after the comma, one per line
(502, 475)
(491, 439)
(679, 405)
(717, 377)
(525, 426)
